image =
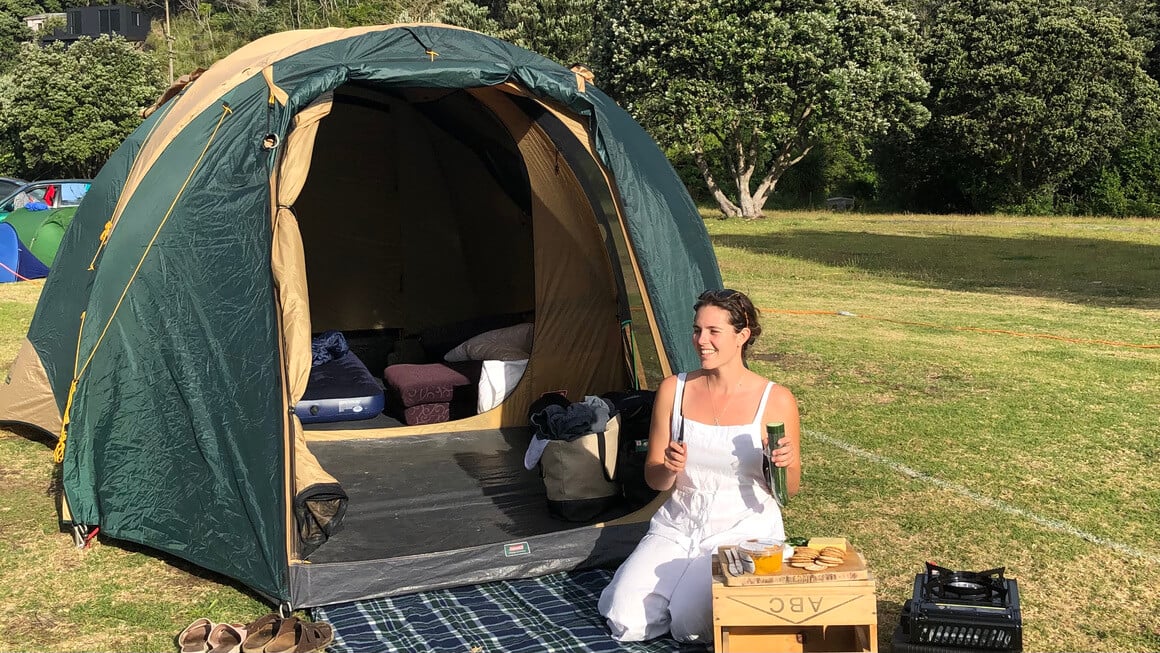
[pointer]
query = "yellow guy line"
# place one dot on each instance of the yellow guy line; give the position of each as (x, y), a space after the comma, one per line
(58, 453)
(109, 225)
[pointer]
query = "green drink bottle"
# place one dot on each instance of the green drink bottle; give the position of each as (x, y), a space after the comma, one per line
(774, 475)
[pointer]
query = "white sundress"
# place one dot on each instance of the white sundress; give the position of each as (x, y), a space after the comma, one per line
(719, 498)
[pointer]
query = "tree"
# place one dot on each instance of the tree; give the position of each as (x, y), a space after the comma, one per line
(558, 29)
(1026, 93)
(13, 31)
(1142, 18)
(749, 87)
(71, 106)
(1127, 185)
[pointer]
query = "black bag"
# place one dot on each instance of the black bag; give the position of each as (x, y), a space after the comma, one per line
(580, 475)
(635, 411)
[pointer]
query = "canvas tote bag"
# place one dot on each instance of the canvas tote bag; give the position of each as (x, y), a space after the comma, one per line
(580, 475)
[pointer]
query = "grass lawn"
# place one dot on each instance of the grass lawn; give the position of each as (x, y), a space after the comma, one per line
(975, 391)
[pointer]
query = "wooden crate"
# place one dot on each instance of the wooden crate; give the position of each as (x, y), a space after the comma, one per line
(795, 617)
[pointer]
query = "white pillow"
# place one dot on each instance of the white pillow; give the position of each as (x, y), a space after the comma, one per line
(507, 344)
(497, 379)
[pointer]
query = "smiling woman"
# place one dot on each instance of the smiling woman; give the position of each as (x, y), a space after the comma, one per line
(706, 444)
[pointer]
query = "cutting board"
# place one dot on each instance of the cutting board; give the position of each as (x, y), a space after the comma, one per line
(852, 568)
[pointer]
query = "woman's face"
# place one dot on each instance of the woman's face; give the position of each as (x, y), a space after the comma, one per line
(715, 338)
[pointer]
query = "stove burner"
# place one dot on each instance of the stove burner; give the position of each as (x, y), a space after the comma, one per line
(961, 612)
(983, 586)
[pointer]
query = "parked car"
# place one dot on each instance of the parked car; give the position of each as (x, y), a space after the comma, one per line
(9, 185)
(43, 195)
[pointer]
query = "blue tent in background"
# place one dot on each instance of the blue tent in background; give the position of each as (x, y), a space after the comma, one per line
(16, 262)
(29, 239)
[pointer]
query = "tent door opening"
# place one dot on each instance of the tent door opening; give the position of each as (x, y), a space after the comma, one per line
(416, 222)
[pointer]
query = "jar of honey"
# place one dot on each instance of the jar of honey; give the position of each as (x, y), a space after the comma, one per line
(765, 553)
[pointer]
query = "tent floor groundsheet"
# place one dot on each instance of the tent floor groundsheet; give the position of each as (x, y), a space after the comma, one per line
(444, 510)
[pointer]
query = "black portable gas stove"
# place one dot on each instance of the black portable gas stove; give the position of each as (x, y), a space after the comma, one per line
(960, 611)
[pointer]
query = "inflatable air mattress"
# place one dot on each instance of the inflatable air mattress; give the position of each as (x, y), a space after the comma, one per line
(340, 389)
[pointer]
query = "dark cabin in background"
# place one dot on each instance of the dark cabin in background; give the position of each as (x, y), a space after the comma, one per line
(129, 22)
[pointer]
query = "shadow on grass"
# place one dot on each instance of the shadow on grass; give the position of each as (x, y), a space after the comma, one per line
(193, 570)
(29, 432)
(889, 616)
(1077, 270)
(53, 490)
(200, 573)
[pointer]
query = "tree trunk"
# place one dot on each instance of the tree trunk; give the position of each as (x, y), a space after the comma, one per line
(749, 208)
(727, 207)
(782, 163)
(741, 167)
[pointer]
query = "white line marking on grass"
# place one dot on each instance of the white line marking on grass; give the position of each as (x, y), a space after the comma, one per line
(1053, 524)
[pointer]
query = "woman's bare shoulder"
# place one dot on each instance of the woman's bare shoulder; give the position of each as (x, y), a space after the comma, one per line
(779, 390)
(781, 397)
(668, 386)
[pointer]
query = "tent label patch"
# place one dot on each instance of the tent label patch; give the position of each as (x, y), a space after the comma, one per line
(516, 549)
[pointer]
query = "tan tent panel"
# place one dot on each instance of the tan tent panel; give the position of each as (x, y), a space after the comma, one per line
(632, 266)
(26, 395)
(289, 268)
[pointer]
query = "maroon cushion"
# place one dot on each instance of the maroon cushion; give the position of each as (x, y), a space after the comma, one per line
(432, 383)
(427, 414)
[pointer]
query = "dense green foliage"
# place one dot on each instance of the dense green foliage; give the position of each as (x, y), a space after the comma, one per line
(13, 31)
(1028, 93)
(752, 87)
(558, 29)
(65, 109)
(1033, 106)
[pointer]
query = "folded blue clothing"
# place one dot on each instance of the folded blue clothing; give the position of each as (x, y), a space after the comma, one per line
(571, 422)
(555, 422)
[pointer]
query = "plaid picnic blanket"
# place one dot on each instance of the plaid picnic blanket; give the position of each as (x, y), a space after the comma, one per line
(554, 613)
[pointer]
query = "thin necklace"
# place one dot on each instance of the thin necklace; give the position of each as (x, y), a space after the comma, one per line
(713, 404)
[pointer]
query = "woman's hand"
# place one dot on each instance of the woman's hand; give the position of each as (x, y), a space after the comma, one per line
(785, 455)
(675, 456)
(782, 407)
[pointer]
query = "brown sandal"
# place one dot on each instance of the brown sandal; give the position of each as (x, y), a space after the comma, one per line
(227, 638)
(313, 636)
(286, 638)
(195, 637)
(260, 632)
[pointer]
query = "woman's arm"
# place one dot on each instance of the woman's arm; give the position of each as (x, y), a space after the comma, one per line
(665, 458)
(782, 407)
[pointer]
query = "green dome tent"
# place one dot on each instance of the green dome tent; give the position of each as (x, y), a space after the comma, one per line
(29, 241)
(385, 182)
